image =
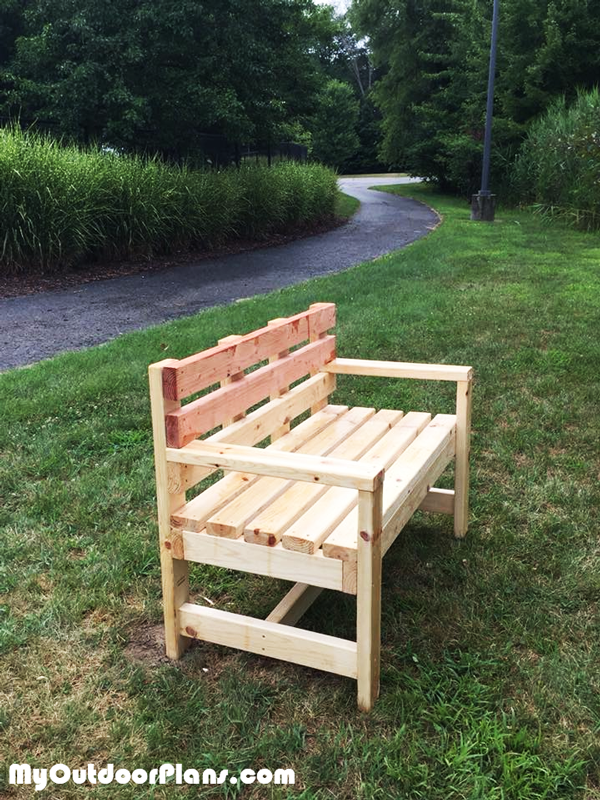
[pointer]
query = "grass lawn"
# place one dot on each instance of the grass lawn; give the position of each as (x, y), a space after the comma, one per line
(346, 206)
(491, 648)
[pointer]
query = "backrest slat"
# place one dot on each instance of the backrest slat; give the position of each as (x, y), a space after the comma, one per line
(195, 373)
(209, 411)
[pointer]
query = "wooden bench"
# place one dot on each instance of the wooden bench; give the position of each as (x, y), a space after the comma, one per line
(319, 506)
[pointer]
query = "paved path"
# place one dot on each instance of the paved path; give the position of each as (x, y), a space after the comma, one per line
(40, 325)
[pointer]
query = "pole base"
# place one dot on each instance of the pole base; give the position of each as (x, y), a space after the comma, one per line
(483, 207)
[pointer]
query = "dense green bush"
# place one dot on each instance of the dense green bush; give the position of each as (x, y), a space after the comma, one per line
(558, 166)
(60, 205)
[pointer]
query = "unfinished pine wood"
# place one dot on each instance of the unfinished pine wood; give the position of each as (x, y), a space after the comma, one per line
(203, 415)
(316, 334)
(267, 527)
(413, 469)
(416, 497)
(236, 376)
(438, 501)
(231, 520)
(368, 596)
(345, 480)
(274, 562)
(189, 375)
(174, 573)
(195, 514)
(256, 426)
(398, 369)
(281, 431)
(311, 529)
(264, 638)
(296, 602)
(461, 468)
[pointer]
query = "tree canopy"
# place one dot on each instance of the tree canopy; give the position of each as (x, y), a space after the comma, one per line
(155, 73)
(432, 56)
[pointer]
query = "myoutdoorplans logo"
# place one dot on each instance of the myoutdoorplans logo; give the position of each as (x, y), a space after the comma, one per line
(25, 775)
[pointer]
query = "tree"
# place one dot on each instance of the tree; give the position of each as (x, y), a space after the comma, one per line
(433, 59)
(334, 138)
(153, 74)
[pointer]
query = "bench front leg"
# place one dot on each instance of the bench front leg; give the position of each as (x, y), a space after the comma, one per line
(461, 468)
(174, 571)
(368, 595)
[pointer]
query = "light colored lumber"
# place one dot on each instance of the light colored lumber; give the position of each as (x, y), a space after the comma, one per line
(268, 525)
(368, 597)
(417, 467)
(200, 416)
(194, 515)
(310, 530)
(264, 638)
(256, 426)
(316, 334)
(189, 375)
(398, 369)
(235, 376)
(231, 520)
(413, 501)
(461, 468)
(438, 501)
(296, 602)
(174, 572)
(280, 390)
(291, 466)
(274, 562)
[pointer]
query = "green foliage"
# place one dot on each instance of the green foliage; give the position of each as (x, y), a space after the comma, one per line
(334, 138)
(558, 166)
(434, 55)
(151, 74)
(60, 205)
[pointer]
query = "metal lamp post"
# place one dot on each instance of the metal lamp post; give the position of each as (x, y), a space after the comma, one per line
(483, 204)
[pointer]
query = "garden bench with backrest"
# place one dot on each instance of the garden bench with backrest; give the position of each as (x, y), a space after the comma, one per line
(320, 505)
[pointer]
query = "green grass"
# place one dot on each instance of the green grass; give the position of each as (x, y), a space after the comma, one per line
(491, 653)
(346, 206)
(60, 205)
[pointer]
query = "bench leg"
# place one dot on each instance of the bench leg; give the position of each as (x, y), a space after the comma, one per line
(174, 571)
(461, 468)
(368, 596)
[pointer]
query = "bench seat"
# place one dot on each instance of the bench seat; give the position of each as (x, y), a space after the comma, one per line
(265, 514)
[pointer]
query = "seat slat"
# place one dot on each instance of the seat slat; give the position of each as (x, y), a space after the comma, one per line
(267, 527)
(202, 415)
(193, 515)
(231, 520)
(190, 375)
(413, 469)
(312, 528)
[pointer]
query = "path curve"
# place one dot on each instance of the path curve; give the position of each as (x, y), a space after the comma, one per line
(38, 326)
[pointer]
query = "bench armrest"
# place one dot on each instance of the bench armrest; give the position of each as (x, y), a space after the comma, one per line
(398, 369)
(277, 464)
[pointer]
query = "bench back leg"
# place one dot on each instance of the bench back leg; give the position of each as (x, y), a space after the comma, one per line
(368, 596)
(461, 468)
(174, 571)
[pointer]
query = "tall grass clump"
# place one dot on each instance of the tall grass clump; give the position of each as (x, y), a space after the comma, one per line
(558, 167)
(60, 205)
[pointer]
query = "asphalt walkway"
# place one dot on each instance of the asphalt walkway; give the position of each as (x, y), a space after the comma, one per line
(38, 326)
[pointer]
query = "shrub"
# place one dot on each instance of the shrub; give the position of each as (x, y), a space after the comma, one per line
(60, 205)
(558, 167)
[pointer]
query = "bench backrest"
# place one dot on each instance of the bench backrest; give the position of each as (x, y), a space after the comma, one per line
(295, 347)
